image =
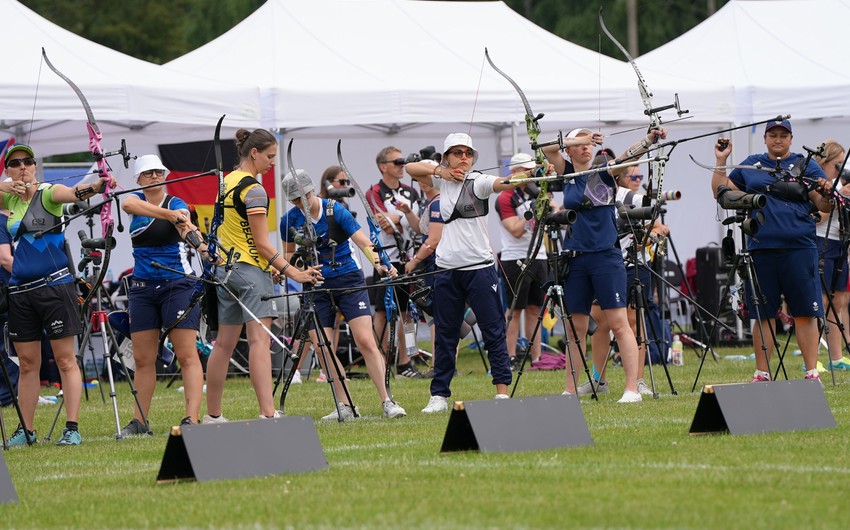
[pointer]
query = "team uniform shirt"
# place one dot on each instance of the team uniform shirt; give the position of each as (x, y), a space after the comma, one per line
(464, 241)
(36, 258)
(347, 226)
(235, 232)
(381, 198)
(787, 223)
(514, 203)
(834, 225)
(592, 196)
(158, 240)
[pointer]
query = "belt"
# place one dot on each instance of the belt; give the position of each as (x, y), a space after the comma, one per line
(41, 282)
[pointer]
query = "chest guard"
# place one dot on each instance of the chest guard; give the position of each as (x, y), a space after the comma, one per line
(37, 217)
(159, 232)
(469, 205)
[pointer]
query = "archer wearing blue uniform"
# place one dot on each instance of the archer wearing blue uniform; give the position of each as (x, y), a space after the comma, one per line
(335, 229)
(784, 253)
(159, 296)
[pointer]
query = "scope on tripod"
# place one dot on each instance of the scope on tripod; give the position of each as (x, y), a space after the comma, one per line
(631, 213)
(561, 217)
(74, 208)
(340, 193)
(730, 199)
(95, 243)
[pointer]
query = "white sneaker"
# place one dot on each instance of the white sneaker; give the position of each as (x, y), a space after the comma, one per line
(565, 393)
(296, 378)
(585, 390)
(393, 409)
(344, 411)
(643, 388)
(210, 419)
(436, 404)
(630, 397)
(277, 414)
(502, 396)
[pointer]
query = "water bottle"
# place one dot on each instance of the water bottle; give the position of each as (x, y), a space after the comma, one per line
(410, 339)
(676, 351)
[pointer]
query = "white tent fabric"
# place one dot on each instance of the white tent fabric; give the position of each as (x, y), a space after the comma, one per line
(402, 61)
(130, 98)
(781, 56)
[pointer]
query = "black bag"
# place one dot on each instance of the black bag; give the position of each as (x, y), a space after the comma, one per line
(4, 298)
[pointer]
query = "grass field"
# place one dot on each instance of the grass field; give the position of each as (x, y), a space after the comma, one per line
(643, 470)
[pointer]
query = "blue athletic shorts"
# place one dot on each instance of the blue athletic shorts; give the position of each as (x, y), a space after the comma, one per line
(155, 304)
(793, 273)
(596, 275)
(352, 304)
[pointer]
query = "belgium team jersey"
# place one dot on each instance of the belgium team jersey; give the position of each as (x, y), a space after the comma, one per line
(235, 232)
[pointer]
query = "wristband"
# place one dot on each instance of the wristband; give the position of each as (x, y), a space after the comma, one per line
(194, 239)
(81, 193)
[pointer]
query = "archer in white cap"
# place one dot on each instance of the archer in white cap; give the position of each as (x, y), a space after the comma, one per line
(161, 231)
(465, 250)
(596, 269)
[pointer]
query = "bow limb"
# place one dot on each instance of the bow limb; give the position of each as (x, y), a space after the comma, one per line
(541, 206)
(103, 169)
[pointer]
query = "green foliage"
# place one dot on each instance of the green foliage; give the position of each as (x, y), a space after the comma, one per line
(154, 30)
(643, 470)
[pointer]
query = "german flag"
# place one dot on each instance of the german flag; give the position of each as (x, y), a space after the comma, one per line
(196, 157)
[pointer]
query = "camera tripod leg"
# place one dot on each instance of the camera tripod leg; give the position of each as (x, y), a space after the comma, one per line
(643, 324)
(527, 353)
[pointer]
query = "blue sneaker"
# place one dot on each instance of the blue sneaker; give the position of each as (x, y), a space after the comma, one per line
(70, 438)
(19, 439)
(841, 364)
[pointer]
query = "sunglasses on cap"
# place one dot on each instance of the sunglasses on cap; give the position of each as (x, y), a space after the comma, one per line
(461, 152)
(28, 161)
(397, 162)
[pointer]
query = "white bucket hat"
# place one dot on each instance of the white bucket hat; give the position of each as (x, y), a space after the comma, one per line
(147, 163)
(455, 139)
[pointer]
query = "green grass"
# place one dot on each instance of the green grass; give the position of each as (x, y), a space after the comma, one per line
(643, 470)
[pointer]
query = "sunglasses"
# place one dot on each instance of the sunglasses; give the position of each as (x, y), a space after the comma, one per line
(343, 182)
(152, 172)
(637, 177)
(28, 161)
(397, 162)
(461, 152)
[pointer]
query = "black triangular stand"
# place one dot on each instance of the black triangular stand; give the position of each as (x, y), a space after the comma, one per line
(7, 489)
(241, 449)
(752, 408)
(521, 424)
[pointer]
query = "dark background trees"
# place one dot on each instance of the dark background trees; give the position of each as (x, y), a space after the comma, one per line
(161, 30)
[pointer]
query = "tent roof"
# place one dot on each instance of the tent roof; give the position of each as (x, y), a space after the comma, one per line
(781, 56)
(124, 93)
(402, 61)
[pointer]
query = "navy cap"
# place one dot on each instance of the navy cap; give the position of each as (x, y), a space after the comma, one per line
(785, 124)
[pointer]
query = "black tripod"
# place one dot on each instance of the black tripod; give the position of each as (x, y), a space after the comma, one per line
(742, 265)
(98, 322)
(553, 300)
(643, 324)
(308, 318)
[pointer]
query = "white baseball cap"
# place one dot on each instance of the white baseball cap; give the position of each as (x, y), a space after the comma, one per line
(575, 133)
(455, 139)
(523, 160)
(147, 163)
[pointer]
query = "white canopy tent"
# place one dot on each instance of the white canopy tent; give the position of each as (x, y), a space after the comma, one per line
(401, 72)
(130, 98)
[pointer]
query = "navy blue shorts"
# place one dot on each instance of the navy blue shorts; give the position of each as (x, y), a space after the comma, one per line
(831, 258)
(596, 275)
(351, 305)
(155, 304)
(793, 273)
